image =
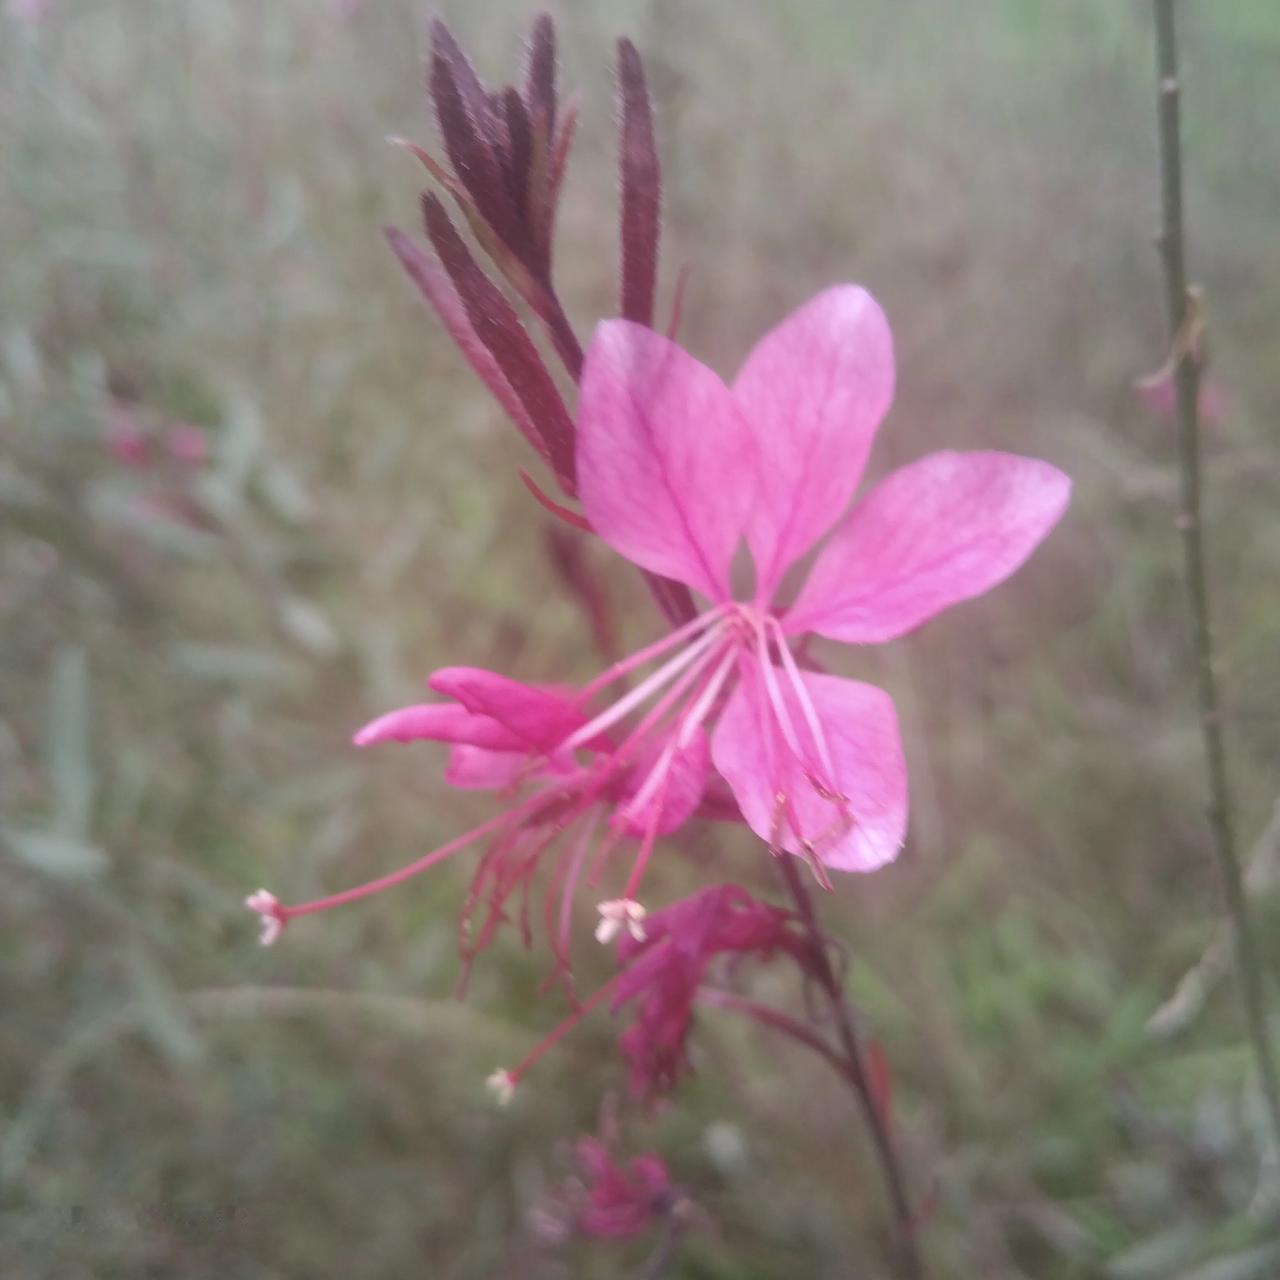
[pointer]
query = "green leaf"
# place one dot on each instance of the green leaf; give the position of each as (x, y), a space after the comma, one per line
(54, 854)
(68, 745)
(235, 664)
(161, 1011)
(1155, 1257)
(1253, 1264)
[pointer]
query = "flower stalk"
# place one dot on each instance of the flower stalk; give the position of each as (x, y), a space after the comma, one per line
(910, 1266)
(1187, 357)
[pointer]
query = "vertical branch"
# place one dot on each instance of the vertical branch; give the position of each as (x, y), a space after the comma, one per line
(909, 1264)
(1185, 325)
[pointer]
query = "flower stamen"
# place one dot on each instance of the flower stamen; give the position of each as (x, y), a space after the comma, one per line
(616, 913)
(644, 690)
(649, 652)
(502, 1085)
(809, 711)
(272, 915)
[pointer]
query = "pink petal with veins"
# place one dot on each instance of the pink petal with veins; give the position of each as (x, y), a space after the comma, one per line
(665, 467)
(861, 730)
(814, 391)
(933, 533)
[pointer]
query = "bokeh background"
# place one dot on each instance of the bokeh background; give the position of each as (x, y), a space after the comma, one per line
(190, 216)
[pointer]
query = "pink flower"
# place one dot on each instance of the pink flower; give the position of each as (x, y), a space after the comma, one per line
(29, 10)
(126, 440)
(675, 470)
(187, 445)
(510, 737)
(620, 1201)
(1159, 396)
(609, 1200)
(661, 977)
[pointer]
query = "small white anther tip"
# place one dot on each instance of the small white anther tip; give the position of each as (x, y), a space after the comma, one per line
(617, 912)
(502, 1085)
(267, 907)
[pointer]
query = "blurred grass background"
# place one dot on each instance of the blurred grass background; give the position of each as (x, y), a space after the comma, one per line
(190, 233)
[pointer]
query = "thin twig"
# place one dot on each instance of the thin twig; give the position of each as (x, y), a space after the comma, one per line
(1185, 323)
(1196, 985)
(721, 998)
(909, 1263)
(674, 1231)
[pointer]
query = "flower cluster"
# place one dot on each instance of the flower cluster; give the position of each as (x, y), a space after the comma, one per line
(675, 471)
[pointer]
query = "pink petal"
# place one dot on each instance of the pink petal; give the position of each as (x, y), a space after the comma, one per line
(437, 722)
(665, 471)
(938, 531)
(861, 729)
(475, 769)
(683, 793)
(814, 391)
(539, 719)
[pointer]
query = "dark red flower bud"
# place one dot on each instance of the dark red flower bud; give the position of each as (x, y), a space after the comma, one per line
(498, 328)
(641, 188)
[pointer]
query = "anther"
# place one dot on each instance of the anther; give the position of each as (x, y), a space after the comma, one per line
(271, 915)
(815, 865)
(825, 792)
(502, 1084)
(614, 914)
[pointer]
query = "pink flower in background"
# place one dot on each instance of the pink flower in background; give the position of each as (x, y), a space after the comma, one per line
(1159, 396)
(609, 1199)
(126, 440)
(187, 445)
(620, 1201)
(30, 10)
(133, 444)
(675, 470)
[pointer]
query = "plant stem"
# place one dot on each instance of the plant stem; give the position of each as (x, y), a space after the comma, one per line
(909, 1264)
(779, 1021)
(1184, 321)
(664, 1255)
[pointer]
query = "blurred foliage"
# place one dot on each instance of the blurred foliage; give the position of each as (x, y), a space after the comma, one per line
(189, 233)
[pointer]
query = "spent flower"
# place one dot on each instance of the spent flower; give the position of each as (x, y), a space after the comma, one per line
(662, 974)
